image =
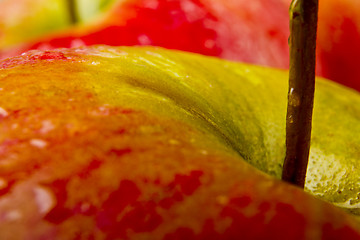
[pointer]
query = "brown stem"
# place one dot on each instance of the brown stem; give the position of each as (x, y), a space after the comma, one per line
(303, 27)
(71, 4)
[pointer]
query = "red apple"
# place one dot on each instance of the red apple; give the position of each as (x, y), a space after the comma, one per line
(254, 32)
(144, 143)
(338, 41)
(205, 27)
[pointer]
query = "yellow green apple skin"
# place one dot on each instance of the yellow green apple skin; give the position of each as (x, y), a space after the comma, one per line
(147, 143)
(27, 20)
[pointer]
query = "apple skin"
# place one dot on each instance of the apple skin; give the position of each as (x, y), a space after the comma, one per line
(28, 20)
(255, 32)
(337, 41)
(24, 20)
(127, 143)
(205, 27)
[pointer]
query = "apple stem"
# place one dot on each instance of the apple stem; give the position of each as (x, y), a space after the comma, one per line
(71, 4)
(302, 41)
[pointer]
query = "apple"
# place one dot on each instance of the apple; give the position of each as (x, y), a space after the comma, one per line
(205, 27)
(23, 20)
(255, 32)
(27, 20)
(338, 38)
(148, 143)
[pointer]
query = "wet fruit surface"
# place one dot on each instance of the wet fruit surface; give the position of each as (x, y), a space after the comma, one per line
(82, 159)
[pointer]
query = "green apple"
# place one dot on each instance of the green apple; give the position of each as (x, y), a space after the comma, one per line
(88, 10)
(27, 20)
(148, 143)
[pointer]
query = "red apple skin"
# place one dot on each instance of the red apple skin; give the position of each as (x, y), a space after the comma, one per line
(74, 166)
(235, 30)
(338, 39)
(202, 26)
(253, 32)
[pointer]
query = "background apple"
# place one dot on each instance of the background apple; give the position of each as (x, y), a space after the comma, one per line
(24, 20)
(145, 143)
(255, 32)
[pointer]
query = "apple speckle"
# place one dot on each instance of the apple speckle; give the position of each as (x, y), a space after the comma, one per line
(47, 126)
(204, 152)
(12, 215)
(209, 43)
(144, 40)
(85, 207)
(3, 112)
(58, 213)
(3, 183)
(101, 111)
(77, 43)
(44, 199)
(174, 142)
(39, 143)
(222, 200)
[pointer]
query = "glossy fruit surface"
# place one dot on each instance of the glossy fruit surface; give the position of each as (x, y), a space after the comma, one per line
(253, 32)
(134, 143)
